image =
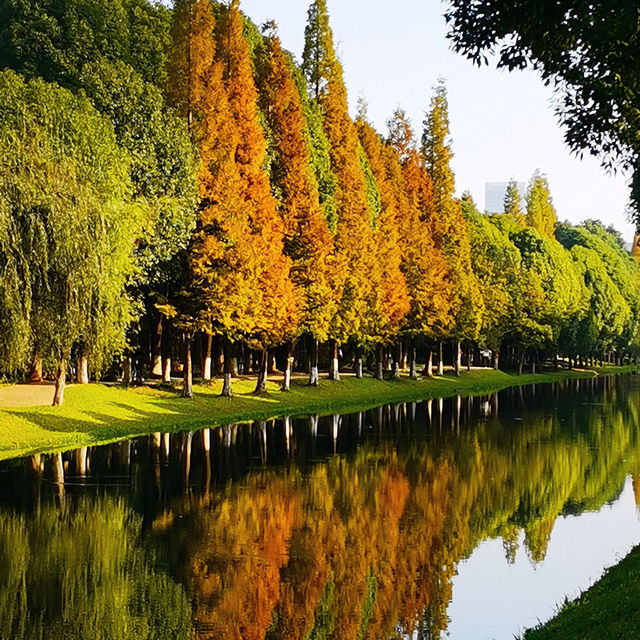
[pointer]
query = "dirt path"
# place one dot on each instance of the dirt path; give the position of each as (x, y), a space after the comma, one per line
(26, 395)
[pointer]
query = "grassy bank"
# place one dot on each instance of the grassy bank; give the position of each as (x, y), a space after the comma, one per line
(97, 414)
(607, 611)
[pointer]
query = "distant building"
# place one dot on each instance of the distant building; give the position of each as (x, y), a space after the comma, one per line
(494, 193)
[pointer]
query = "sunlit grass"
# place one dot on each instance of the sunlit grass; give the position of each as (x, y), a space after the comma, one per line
(96, 413)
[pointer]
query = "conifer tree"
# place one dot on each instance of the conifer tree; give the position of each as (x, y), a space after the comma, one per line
(274, 309)
(307, 239)
(541, 215)
(513, 203)
(393, 298)
(354, 239)
(450, 228)
(427, 272)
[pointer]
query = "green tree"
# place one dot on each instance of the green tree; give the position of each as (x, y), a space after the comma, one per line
(69, 225)
(513, 203)
(541, 214)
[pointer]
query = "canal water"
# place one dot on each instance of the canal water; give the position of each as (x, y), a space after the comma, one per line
(468, 518)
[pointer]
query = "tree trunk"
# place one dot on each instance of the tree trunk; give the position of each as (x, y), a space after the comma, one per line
(272, 363)
(313, 365)
(261, 384)
(358, 366)
(469, 355)
(402, 355)
(457, 357)
(430, 364)
(61, 377)
(218, 352)
(440, 360)
(395, 371)
(380, 363)
(206, 362)
(127, 370)
(226, 385)
(496, 360)
(156, 371)
(334, 370)
(187, 370)
(288, 366)
(35, 373)
(413, 373)
(82, 374)
(533, 362)
(521, 363)
(166, 370)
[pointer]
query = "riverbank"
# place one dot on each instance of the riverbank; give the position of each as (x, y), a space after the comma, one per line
(97, 414)
(607, 611)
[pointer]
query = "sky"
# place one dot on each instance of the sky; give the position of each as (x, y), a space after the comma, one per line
(502, 124)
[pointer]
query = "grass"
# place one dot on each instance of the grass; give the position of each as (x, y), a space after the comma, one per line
(607, 611)
(98, 414)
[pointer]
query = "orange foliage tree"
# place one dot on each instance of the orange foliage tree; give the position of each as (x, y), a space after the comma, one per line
(307, 238)
(354, 240)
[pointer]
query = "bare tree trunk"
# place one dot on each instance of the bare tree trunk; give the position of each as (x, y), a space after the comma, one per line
(358, 365)
(313, 368)
(187, 373)
(288, 366)
(127, 369)
(430, 364)
(395, 371)
(206, 362)
(533, 362)
(496, 360)
(334, 370)
(469, 355)
(156, 371)
(440, 360)
(413, 373)
(166, 352)
(226, 385)
(58, 478)
(166, 370)
(218, 360)
(261, 384)
(380, 362)
(457, 357)
(61, 376)
(82, 374)
(521, 364)
(35, 373)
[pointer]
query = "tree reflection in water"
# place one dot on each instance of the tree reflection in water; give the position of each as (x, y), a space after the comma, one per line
(333, 527)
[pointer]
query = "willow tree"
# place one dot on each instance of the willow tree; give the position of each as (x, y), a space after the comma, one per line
(307, 238)
(449, 226)
(354, 239)
(68, 228)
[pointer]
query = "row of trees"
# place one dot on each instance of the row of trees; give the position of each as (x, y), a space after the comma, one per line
(189, 179)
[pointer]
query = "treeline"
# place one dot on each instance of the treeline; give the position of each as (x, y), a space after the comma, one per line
(173, 178)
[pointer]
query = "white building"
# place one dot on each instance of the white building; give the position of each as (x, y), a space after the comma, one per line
(494, 193)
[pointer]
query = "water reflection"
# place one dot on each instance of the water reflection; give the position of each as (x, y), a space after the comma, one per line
(347, 526)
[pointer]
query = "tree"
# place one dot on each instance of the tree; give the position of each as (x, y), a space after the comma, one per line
(449, 226)
(69, 224)
(586, 51)
(307, 238)
(392, 298)
(541, 214)
(356, 258)
(513, 203)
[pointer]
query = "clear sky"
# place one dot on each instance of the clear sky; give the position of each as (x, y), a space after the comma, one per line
(502, 123)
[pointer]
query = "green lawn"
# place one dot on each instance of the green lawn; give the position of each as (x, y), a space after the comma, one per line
(94, 414)
(607, 611)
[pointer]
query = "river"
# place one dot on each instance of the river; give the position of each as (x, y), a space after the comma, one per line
(467, 518)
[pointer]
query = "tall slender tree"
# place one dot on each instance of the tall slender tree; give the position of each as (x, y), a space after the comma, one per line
(355, 255)
(307, 238)
(541, 214)
(513, 203)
